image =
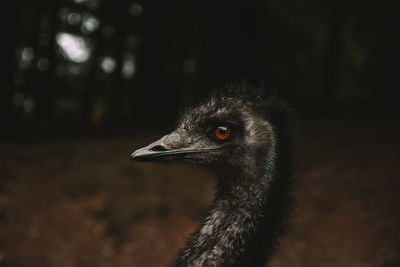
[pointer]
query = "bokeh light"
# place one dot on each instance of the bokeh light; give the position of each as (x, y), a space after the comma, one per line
(43, 64)
(74, 18)
(90, 24)
(108, 64)
(135, 9)
(26, 55)
(128, 67)
(74, 48)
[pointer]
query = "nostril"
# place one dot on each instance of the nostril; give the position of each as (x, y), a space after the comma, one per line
(158, 148)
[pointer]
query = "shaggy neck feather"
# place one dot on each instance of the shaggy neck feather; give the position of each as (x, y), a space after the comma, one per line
(231, 233)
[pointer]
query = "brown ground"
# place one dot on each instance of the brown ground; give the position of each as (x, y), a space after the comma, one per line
(83, 203)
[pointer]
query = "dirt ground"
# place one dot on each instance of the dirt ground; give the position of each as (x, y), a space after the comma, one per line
(82, 202)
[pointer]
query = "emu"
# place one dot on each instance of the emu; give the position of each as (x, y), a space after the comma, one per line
(245, 136)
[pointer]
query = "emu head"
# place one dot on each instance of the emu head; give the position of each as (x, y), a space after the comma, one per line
(230, 130)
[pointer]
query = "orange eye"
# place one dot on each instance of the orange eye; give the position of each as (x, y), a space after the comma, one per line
(222, 132)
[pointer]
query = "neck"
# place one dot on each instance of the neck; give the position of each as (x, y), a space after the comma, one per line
(243, 226)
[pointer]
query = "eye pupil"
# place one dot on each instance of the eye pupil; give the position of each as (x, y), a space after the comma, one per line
(222, 132)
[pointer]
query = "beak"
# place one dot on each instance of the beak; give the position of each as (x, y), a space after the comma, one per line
(164, 148)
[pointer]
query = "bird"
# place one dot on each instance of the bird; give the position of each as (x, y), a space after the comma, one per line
(245, 134)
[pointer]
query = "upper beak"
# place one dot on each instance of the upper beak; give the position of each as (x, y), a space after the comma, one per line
(163, 148)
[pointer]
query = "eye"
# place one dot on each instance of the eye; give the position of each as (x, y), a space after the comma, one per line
(222, 132)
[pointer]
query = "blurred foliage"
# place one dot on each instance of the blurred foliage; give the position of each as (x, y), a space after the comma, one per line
(91, 62)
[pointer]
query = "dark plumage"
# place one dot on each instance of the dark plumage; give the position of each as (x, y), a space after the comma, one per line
(244, 134)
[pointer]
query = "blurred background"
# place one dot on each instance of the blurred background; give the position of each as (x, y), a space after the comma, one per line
(89, 81)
